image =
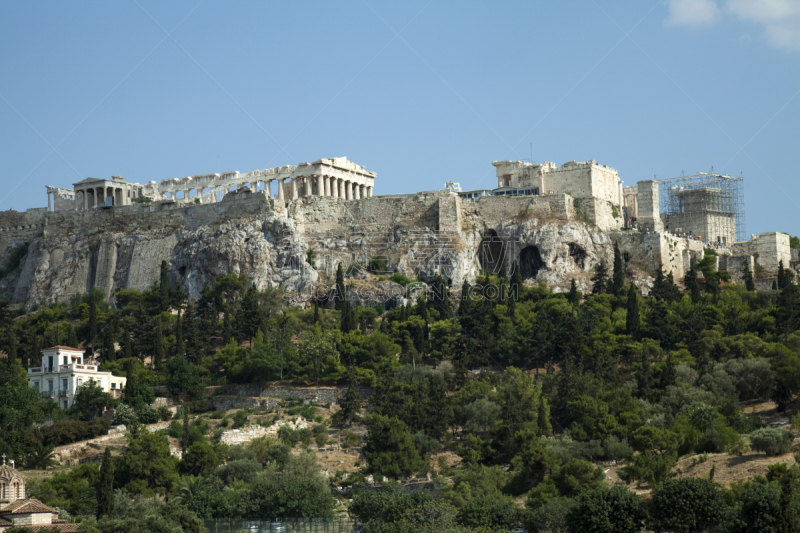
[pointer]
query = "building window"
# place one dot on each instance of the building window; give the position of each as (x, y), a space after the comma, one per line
(64, 384)
(80, 382)
(113, 385)
(65, 404)
(50, 385)
(66, 360)
(37, 385)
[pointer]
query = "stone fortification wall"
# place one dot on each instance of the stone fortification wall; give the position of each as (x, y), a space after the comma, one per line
(260, 395)
(769, 250)
(651, 251)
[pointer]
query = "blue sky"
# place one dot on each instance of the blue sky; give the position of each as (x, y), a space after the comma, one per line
(421, 92)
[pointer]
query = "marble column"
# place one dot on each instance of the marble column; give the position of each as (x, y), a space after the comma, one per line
(337, 184)
(356, 192)
(49, 201)
(294, 189)
(280, 189)
(369, 192)
(325, 189)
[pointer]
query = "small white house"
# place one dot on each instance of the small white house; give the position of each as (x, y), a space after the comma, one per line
(64, 370)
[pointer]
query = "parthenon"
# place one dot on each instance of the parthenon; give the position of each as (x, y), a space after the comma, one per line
(333, 177)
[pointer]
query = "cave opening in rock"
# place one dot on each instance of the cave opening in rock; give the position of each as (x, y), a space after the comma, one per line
(490, 252)
(578, 254)
(530, 262)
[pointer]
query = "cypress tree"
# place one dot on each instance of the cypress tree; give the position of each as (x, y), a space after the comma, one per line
(632, 322)
(227, 334)
(348, 318)
(350, 404)
(422, 306)
(441, 294)
(573, 296)
(619, 274)
(11, 350)
(158, 343)
(317, 317)
(464, 306)
(600, 278)
(747, 277)
(516, 282)
(340, 293)
(781, 275)
(72, 339)
(692, 285)
(774, 285)
(92, 319)
(127, 347)
(109, 349)
(192, 347)
(105, 489)
(185, 435)
(163, 286)
(179, 336)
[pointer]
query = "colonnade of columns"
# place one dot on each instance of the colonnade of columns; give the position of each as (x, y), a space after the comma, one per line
(327, 186)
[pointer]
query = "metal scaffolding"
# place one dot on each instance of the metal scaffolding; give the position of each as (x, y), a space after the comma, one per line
(707, 205)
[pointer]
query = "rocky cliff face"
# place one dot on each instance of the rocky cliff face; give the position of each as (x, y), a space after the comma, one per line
(268, 247)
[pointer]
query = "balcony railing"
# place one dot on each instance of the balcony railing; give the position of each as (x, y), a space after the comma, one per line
(53, 393)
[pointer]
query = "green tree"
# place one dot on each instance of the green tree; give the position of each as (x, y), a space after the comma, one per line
(20, 407)
(747, 277)
(692, 285)
(340, 294)
(441, 298)
(633, 320)
(147, 467)
(109, 350)
(158, 343)
(183, 379)
(201, 459)
(179, 350)
(163, 285)
(390, 447)
(573, 296)
(604, 510)
(759, 510)
(350, 404)
(105, 489)
(687, 505)
(72, 339)
(618, 279)
(90, 401)
(600, 278)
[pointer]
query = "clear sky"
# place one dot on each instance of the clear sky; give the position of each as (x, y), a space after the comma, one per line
(419, 91)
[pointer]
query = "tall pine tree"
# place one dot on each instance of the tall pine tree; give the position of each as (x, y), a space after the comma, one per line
(464, 305)
(692, 285)
(781, 275)
(193, 346)
(633, 320)
(441, 298)
(600, 278)
(163, 286)
(747, 277)
(573, 296)
(619, 273)
(109, 350)
(11, 348)
(340, 294)
(158, 343)
(105, 489)
(72, 339)
(179, 351)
